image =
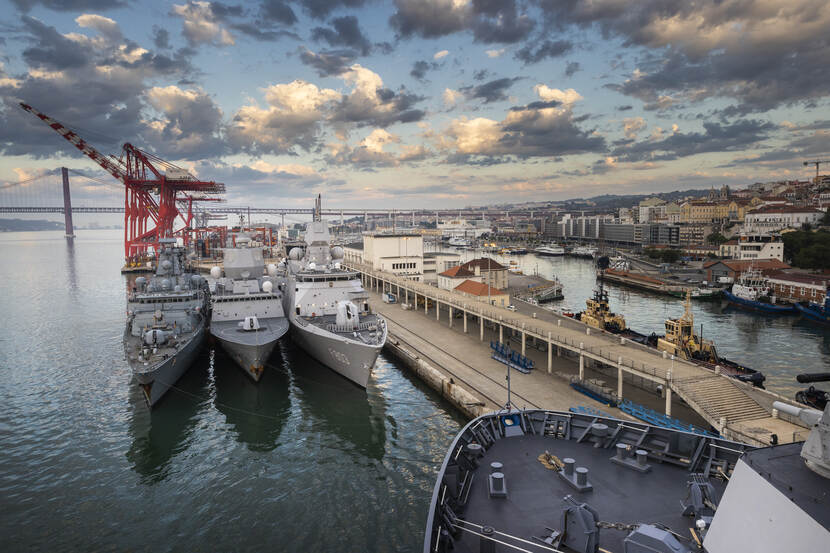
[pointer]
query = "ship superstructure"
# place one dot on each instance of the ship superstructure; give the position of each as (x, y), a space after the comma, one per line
(166, 321)
(248, 317)
(598, 314)
(328, 308)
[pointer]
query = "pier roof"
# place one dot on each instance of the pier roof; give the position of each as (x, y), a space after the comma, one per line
(458, 272)
(475, 288)
(484, 264)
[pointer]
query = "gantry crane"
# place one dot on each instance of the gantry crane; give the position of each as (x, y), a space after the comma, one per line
(817, 163)
(152, 189)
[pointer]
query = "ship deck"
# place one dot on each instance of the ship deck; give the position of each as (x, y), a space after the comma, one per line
(535, 499)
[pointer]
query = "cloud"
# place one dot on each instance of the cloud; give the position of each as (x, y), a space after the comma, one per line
(370, 103)
(494, 53)
(69, 5)
(489, 22)
(548, 94)
(96, 79)
(320, 9)
(345, 31)
(451, 97)
(277, 11)
(761, 54)
(371, 152)
(328, 63)
(548, 49)
(714, 138)
(441, 54)
(633, 125)
(572, 68)
(189, 125)
(420, 68)
(539, 129)
(290, 120)
(200, 25)
(492, 91)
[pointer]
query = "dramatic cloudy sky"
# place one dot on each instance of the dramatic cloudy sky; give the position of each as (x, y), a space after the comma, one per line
(424, 102)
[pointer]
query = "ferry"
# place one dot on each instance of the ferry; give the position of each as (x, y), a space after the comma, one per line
(551, 250)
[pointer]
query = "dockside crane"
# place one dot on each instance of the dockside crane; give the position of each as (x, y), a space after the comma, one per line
(154, 190)
(817, 163)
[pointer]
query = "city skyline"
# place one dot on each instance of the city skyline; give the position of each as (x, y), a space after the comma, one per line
(423, 102)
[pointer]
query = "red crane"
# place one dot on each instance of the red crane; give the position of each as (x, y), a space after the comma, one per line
(146, 219)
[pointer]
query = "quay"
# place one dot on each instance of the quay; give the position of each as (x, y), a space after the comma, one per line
(736, 409)
(644, 282)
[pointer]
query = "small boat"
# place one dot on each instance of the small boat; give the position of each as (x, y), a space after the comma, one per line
(753, 292)
(551, 250)
(514, 267)
(812, 396)
(816, 312)
(698, 293)
(459, 242)
(584, 252)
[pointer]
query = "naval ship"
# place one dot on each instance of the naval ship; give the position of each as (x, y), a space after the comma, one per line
(542, 481)
(247, 317)
(328, 308)
(166, 320)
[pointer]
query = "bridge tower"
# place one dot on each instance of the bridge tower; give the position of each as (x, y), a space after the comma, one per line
(67, 205)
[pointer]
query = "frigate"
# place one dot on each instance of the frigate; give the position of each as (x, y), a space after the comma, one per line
(247, 316)
(548, 481)
(166, 320)
(328, 308)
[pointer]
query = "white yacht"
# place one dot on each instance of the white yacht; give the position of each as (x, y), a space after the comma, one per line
(550, 250)
(248, 317)
(328, 308)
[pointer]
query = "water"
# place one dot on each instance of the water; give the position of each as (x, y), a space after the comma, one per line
(303, 461)
(779, 346)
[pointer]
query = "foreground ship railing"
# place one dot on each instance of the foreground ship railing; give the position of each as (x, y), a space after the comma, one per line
(632, 445)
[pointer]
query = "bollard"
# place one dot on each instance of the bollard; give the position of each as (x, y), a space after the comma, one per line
(495, 467)
(588, 330)
(498, 481)
(569, 466)
(486, 543)
(474, 450)
(622, 450)
(642, 457)
(581, 476)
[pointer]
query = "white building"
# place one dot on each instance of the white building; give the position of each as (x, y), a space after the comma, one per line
(399, 253)
(464, 228)
(438, 262)
(775, 218)
(760, 246)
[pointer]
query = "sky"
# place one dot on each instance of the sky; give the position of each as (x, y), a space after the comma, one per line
(422, 103)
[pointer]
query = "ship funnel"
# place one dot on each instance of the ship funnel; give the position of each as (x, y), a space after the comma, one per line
(816, 450)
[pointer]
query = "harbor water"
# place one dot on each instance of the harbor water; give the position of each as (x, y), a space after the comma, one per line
(303, 461)
(779, 346)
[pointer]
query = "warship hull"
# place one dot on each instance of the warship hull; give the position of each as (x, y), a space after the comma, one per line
(349, 358)
(250, 349)
(156, 381)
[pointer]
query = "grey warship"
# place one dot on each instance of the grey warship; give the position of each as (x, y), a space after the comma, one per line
(247, 316)
(549, 481)
(166, 322)
(328, 308)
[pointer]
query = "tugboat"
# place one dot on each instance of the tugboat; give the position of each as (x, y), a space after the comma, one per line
(753, 292)
(542, 481)
(681, 341)
(599, 315)
(166, 320)
(812, 396)
(816, 312)
(248, 317)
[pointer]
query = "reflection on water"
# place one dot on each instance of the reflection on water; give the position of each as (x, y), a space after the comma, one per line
(257, 411)
(333, 404)
(71, 271)
(163, 432)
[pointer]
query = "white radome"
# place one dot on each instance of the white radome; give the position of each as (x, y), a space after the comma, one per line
(215, 272)
(267, 286)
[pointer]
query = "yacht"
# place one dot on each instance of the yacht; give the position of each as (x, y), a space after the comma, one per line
(550, 250)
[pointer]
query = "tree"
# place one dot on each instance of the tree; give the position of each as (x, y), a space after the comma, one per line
(808, 250)
(716, 239)
(825, 220)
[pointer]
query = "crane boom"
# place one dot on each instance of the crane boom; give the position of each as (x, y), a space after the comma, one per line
(93, 154)
(147, 219)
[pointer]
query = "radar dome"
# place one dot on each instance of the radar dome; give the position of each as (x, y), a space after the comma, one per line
(267, 286)
(196, 280)
(337, 265)
(337, 252)
(312, 266)
(272, 269)
(215, 272)
(295, 254)
(177, 288)
(140, 281)
(166, 264)
(166, 284)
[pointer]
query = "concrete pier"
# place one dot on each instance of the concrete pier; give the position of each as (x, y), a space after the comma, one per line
(736, 409)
